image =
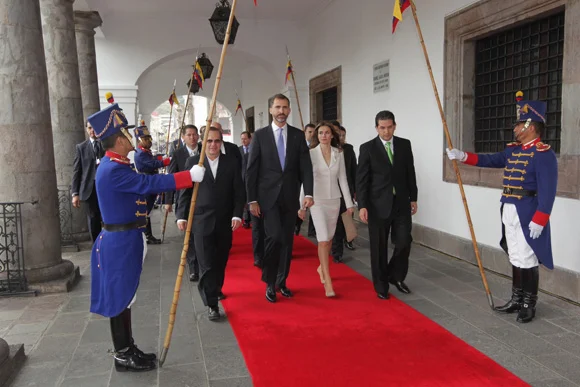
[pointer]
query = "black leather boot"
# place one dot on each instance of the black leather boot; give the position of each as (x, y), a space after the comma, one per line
(531, 281)
(515, 303)
(128, 326)
(126, 359)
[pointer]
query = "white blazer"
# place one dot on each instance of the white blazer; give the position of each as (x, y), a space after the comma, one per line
(327, 178)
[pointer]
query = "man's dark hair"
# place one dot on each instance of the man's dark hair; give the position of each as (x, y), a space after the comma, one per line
(343, 128)
(189, 127)
(384, 115)
(310, 126)
(214, 129)
(279, 96)
(335, 123)
(246, 133)
(109, 142)
(539, 128)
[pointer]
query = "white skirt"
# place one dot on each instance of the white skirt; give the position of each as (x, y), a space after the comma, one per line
(325, 215)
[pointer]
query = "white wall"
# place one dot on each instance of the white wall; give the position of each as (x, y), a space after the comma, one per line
(357, 35)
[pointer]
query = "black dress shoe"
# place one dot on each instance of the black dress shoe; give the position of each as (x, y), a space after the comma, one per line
(383, 296)
(194, 277)
(258, 264)
(348, 245)
(270, 294)
(337, 258)
(151, 240)
(400, 285)
(214, 313)
(143, 355)
(221, 296)
(285, 292)
(129, 360)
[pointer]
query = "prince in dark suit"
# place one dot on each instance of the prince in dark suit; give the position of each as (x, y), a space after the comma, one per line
(279, 163)
(87, 157)
(218, 211)
(386, 190)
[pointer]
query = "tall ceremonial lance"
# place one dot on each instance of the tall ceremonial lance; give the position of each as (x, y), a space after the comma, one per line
(194, 196)
(402, 6)
(172, 100)
(290, 72)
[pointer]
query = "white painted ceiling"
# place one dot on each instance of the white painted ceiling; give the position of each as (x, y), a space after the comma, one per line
(291, 10)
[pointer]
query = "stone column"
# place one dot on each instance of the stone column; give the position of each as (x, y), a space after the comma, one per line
(27, 169)
(66, 108)
(85, 24)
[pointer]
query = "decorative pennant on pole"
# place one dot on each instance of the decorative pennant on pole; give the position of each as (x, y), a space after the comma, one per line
(173, 99)
(288, 71)
(400, 7)
(239, 107)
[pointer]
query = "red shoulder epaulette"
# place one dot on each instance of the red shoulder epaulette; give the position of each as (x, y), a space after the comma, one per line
(515, 143)
(541, 147)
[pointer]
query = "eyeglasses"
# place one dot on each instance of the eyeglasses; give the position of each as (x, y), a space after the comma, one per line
(213, 141)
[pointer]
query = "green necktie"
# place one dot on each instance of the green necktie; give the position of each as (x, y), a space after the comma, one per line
(390, 154)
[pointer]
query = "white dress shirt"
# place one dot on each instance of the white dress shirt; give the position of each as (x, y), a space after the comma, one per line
(284, 134)
(192, 152)
(391, 144)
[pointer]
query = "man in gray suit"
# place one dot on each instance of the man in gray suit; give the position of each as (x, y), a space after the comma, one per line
(87, 157)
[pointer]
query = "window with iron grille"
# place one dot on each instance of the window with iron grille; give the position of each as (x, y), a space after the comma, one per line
(330, 104)
(528, 58)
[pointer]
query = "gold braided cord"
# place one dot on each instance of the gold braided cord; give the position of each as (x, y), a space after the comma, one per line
(111, 116)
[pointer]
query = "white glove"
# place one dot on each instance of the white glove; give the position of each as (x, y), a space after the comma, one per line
(456, 154)
(535, 230)
(197, 173)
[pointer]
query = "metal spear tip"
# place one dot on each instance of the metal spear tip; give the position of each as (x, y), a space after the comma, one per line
(162, 357)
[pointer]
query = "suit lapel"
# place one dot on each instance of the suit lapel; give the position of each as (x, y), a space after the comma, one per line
(396, 155)
(290, 143)
(270, 135)
(381, 149)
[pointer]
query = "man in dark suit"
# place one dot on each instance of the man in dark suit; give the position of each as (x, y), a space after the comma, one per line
(228, 147)
(279, 163)
(339, 241)
(218, 211)
(246, 138)
(386, 190)
(191, 148)
(88, 155)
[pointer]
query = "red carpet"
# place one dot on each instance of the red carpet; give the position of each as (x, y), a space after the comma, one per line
(354, 339)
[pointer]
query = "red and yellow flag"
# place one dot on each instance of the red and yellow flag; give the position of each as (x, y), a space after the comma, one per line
(288, 71)
(173, 99)
(239, 107)
(199, 72)
(400, 7)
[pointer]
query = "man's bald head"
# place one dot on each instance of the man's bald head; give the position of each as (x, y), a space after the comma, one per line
(217, 125)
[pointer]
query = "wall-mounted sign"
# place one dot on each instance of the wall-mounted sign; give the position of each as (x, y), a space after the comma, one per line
(381, 76)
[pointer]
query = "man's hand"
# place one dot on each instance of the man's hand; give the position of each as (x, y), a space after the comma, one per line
(413, 208)
(350, 210)
(307, 202)
(535, 230)
(168, 208)
(363, 215)
(76, 202)
(456, 154)
(302, 214)
(255, 209)
(182, 224)
(235, 224)
(197, 173)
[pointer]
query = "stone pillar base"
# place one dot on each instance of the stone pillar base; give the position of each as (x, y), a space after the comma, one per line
(60, 278)
(12, 359)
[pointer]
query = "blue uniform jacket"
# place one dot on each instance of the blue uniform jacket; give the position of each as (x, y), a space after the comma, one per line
(148, 164)
(117, 257)
(529, 167)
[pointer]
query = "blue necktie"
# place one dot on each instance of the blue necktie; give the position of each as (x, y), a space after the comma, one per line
(281, 148)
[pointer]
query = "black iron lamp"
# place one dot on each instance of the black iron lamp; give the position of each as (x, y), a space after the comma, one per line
(206, 66)
(219, 22)
(193, 86)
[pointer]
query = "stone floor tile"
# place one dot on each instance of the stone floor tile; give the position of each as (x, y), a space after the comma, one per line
(38, 327)
(37, 315)
(69, 323)
(40, 375)
(77, 304)
(562, 363)
(521, 340)
(10, 315)
(97, 331)
(54, 348)
(91, 359)
(133, 379)
(231, 382)
(23, 338)
(224, 361)
(182, 350)
(88, 381)
(183, 375)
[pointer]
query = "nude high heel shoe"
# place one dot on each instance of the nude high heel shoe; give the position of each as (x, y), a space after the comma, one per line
(328, 289)
(319, 270)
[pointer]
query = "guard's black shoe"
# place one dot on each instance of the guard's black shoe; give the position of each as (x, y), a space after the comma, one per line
(129, 360)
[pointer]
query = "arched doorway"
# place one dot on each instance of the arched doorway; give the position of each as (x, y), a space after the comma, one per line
(163, 120)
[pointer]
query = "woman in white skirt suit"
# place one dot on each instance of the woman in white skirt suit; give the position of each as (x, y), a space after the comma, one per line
(329, 173)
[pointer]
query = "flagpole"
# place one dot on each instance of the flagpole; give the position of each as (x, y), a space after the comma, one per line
(167, 153)
(181, 269)
(295, 89)
(242, 109)
(455, 166)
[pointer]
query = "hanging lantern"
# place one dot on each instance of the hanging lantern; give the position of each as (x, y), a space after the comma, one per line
(206, 66)
(219, 22)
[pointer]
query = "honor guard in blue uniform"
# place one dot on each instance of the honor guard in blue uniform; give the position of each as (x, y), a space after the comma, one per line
(530, 180)
(148, 164)
(118, 253)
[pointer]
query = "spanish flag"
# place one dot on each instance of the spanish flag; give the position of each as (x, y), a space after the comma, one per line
(288, 70)
(173, 99)
(400, 7)
(239, 107)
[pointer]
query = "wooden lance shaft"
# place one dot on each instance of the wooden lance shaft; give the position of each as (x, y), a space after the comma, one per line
(455, 166)
(167, 150)
(297, 99)
(179, 278)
